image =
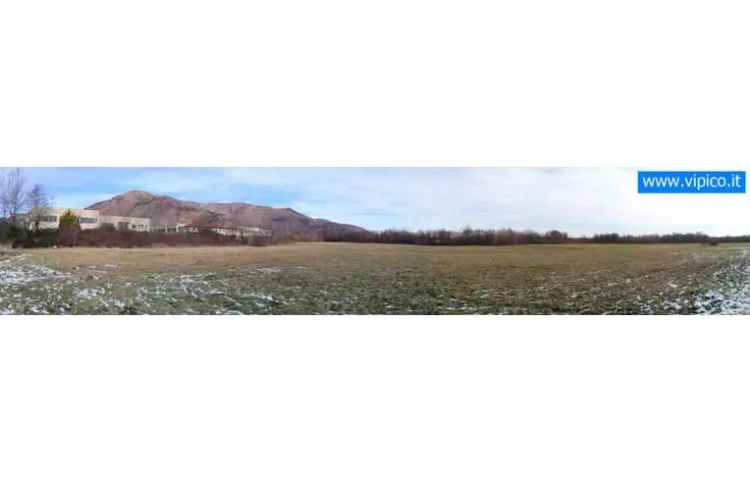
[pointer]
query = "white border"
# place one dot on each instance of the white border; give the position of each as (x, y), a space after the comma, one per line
(374, 398)
(541, 83)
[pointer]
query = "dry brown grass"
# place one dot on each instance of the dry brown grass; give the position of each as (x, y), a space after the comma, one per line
(376, 278)
(168, 259)
(466, 260)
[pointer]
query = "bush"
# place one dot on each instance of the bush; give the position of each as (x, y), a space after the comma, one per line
(40, 239)
(70, 228)
(105, 237)
(11, 232)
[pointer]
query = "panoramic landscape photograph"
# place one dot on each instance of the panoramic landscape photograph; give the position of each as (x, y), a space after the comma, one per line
(422, 241)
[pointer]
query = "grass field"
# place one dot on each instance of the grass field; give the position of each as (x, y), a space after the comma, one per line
(328, 278)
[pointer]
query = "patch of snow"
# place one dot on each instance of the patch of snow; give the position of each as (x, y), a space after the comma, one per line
(90, 293)
(14, 274)
(269, 269)
(732, 296)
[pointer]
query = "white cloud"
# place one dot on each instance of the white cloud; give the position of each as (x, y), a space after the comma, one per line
(580, 201)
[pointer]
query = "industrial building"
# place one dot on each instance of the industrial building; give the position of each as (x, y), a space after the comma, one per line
(91, 219)
(234, 231)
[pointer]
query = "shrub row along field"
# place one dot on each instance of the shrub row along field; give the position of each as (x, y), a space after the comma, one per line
(344, 278)
(110, 238)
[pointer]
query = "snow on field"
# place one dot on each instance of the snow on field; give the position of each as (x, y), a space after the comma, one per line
(18, 276)
(715, 282)
(17, 271)
(732, 292)
(90, 293)
(30, 288)
(204, 291)
(269, 269)
(731, 298)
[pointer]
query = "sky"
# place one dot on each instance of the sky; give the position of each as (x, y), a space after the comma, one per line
(580, 201)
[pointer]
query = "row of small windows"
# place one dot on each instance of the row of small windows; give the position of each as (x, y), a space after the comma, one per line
(53, 219)
(85, 221)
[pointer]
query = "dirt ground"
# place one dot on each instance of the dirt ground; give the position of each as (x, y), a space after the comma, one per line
(334, 278)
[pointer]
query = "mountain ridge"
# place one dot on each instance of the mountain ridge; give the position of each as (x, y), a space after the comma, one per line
(167, 210)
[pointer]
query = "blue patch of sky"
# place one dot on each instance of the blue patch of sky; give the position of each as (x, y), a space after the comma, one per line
(581, 201)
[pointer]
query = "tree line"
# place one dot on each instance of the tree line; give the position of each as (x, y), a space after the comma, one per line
(467, 236)
(697, 237)
(507, 236)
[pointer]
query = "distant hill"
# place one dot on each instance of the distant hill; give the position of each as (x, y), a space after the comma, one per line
(166, 210)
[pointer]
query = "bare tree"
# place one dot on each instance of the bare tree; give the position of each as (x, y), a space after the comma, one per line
(13, 197)
(39, 202)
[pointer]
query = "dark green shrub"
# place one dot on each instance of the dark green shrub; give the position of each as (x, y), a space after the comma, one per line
(70, 228)
(12, 232)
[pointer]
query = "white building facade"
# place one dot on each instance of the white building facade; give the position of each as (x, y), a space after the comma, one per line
(90, 219)
(236, 231)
